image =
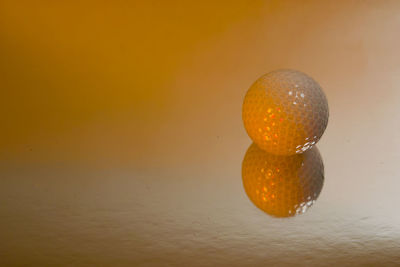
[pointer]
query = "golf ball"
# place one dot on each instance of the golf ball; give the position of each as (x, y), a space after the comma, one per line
(285, 112)
(282, 186)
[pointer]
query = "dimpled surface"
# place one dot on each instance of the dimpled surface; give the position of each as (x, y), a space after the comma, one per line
(282, 186)
(285, 112)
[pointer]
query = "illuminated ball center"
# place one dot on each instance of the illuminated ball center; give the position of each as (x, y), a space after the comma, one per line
(285, 112)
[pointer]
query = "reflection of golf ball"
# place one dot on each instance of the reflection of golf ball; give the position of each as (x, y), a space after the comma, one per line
(285, 112)
(282, 186)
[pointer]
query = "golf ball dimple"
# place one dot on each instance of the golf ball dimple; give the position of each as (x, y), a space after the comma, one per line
(285, 112)
(282, 186)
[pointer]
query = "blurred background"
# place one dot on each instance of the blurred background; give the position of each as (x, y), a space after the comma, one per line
(121, 135)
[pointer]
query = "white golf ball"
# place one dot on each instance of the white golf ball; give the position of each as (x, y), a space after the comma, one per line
(285, 112)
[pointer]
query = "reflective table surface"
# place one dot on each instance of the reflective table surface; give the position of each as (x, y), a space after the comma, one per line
(122, 142)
